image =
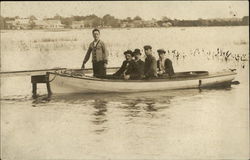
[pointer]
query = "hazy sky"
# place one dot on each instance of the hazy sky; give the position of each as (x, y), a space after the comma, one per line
(120, 9)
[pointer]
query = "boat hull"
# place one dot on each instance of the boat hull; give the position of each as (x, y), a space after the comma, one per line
(69, 84)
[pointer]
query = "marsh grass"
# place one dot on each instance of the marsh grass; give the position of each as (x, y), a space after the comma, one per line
(54, 40)
(186, 49)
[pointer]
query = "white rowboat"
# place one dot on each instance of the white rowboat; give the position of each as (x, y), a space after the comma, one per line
(69, 83)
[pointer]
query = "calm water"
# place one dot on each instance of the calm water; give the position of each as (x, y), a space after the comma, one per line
(182, 124)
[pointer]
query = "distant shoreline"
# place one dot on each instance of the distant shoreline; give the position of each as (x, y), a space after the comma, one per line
(69, 29)
(108, 21)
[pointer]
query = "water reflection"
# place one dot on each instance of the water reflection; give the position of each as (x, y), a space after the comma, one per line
(41, 101)
(150, 100)
(99, 115)
(132, 108)
(151, 106)
(127, 106)
(140, 108)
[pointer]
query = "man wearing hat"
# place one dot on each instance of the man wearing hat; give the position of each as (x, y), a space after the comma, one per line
(139, 66)
(128, 66)
(150, 68)
(164, 65)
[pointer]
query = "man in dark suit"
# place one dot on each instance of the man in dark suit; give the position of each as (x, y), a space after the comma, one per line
(127, 68)
(139, 66)
(150, 68)
(164, 65)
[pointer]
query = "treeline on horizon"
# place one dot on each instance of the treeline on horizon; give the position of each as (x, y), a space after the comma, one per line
(111, 21)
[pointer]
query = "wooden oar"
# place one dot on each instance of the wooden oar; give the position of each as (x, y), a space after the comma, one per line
(42, 71)
(90, 70)
(27, 72)
(35, 70)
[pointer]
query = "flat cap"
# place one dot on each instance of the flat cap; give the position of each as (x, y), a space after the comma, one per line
(161, 51)
(146, 47)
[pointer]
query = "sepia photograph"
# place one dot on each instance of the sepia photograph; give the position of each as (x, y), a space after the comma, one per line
(124, 80)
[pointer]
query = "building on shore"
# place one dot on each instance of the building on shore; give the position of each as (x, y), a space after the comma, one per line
(77, 24)
(166, 24)
(88, 23)
(53, 24)
(22, 23)
(10, 24)
(138, 23)
(124, 24)
(39, 24)
(150, 23)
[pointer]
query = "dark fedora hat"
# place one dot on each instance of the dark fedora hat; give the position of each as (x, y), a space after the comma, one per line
(128, 52)
(161, 51)
(137, 51)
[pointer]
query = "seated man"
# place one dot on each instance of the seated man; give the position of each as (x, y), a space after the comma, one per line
(150, 68)
(139, 66)
(127, 68)
(164, 65)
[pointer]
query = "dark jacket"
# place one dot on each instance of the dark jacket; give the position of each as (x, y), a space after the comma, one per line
(139, 70)
(150, 67)
(168, 67)
(128, 67)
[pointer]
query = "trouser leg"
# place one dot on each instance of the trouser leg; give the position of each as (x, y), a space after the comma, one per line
(102, 69)
(95, 67)
(99, 69)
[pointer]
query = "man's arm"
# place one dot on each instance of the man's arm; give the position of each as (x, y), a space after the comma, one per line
(86, 58)
(169, 67)
(121, 69)
(105, 53)
(153, 66)
(146, 67)
(158, 65)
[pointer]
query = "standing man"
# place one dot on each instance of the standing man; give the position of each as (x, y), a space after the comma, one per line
(150, 69)
(99, 55)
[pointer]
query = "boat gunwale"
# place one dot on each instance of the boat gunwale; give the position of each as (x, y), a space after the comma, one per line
(148, 80)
